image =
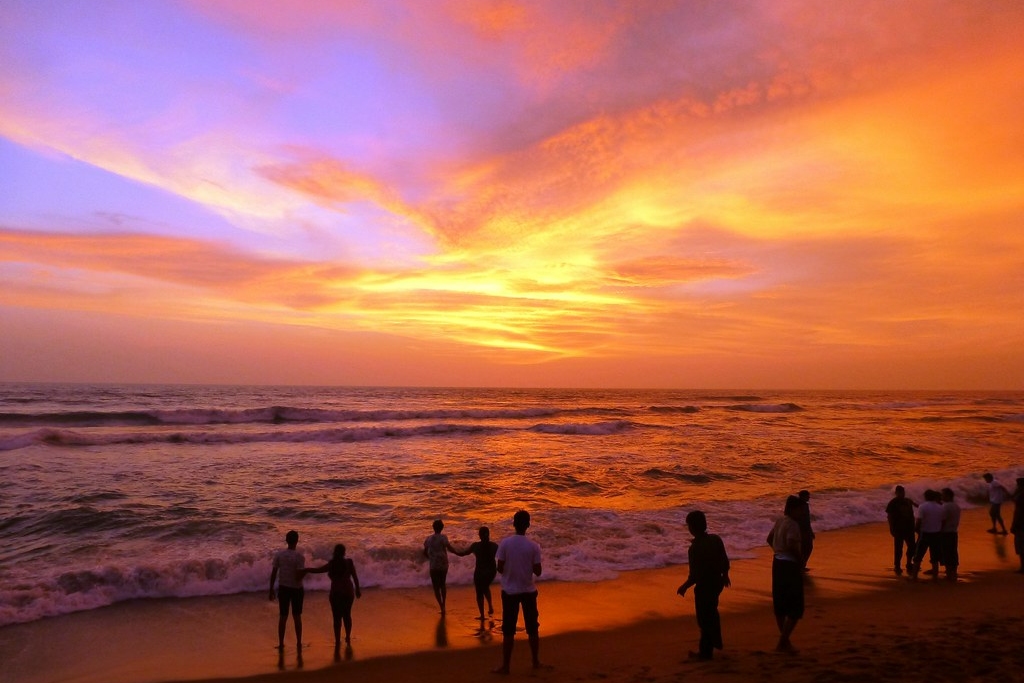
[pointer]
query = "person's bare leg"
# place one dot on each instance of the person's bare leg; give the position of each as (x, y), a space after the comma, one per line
(490, 604)
(535, 650)
(298, 630)
(281, 624)
(507, 643)
(788, 624)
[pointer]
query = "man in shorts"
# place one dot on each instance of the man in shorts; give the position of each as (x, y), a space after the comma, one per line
(518, 562)
(289, 565)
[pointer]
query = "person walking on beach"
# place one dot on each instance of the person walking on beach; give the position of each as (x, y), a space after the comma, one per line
(436, 549)
(288, 568)
(486, 568)
(709, 575)
(900, 513)
(950, 534)
(929, 527)
(518, 562)
(997, 495)
(1017, 523)
(787, 573)
(806, 532)
(344, 591)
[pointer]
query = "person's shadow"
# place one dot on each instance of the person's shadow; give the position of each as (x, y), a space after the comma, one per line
(441, 633)
(1000, 543)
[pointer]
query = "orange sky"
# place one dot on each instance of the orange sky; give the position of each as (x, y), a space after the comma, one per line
(575, 193)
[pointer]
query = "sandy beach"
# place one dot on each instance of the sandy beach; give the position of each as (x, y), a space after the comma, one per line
(862, 622)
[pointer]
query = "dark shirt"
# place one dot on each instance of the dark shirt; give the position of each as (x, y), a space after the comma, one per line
(709, 563)
(900, 512)
(484, 553)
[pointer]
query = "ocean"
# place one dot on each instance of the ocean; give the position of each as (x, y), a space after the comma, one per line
(110, 493)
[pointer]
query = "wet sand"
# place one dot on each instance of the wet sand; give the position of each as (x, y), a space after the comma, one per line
(862, 622)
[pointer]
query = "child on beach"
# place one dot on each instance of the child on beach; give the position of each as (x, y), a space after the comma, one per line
(344, 591)
(709, 575)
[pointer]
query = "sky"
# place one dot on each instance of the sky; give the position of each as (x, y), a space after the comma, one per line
(576, 193)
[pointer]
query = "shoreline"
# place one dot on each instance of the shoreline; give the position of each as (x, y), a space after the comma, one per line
(633, 625)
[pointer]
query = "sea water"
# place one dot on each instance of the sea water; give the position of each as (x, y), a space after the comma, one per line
(115, 492)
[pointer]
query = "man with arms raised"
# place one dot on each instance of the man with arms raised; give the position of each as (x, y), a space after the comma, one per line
(518, 562)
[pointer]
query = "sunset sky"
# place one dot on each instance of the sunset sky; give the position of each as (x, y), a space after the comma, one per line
(688, 194)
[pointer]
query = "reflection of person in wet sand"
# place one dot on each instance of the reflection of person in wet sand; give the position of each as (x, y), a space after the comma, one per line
(436, 549)
(518, 562)
(787, 572)
(288, 570)
(344, 591)
(709, 574)
(1017, 523)
(486, 569)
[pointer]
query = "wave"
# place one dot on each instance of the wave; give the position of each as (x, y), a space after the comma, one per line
(766, 408)
(80, 438)
(579, 545)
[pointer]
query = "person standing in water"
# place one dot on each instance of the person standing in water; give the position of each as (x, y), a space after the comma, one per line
(486, 569)
(344, 591)
(436, 548)
(288, 569)
(997, 495)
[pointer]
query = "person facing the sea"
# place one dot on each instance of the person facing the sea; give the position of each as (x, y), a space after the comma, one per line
(997, 495)
(436, 548)
(950, 534)
(900, 513)
(486, 568)
(709, 575)
(288, 568)
(806, 532)
(929, 528)
(518, 562)
(787, 572)
(341, 571)
(1017, 523)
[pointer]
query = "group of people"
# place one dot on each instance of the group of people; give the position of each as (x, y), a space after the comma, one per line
(931, 527)
(517, 559)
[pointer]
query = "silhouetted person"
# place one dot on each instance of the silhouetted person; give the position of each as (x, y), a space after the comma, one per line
(806, 533)
(344, 591)
(900, 513)
(436, 549)
(787, 572)
(518, 562)
(709, 574)
(929, 527)
(288, 569)
(1017, 523)
(997, 495)
(950, 534)
(486, 568)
